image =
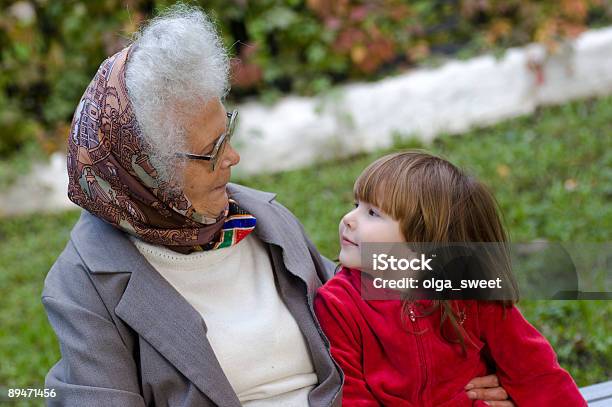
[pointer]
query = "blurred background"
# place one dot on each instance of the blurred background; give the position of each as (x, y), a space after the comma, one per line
(551, 169)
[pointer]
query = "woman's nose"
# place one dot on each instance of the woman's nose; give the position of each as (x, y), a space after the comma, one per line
(230, 156)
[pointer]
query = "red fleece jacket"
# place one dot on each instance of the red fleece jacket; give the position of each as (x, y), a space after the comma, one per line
(387, 362)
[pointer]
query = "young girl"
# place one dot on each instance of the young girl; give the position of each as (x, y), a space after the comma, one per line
(404, 352)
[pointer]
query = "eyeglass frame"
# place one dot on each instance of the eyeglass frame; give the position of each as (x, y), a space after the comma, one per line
(219, 147)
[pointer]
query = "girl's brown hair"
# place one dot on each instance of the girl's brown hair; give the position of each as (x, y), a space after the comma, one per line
(435, 202)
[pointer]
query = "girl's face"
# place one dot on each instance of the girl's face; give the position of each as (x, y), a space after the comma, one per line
(365, 223)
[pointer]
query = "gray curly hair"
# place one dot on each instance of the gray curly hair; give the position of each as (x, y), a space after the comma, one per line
(177, 60)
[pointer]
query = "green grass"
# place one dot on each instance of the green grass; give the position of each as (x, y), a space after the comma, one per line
(28, 248)
(551, 172)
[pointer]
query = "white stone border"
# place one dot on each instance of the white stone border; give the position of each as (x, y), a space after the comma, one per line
(423, 103)
(360, 117)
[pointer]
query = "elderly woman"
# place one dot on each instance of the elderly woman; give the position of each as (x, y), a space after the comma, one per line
(178, 288)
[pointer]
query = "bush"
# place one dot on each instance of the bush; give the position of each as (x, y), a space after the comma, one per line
(51, 49)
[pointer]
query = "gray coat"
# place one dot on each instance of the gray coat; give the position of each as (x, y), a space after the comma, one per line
(127, 337)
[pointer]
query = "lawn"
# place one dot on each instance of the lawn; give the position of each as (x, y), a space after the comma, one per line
(551, 172)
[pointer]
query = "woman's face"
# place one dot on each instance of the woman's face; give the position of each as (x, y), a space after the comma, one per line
(204, 187)
(365, 224)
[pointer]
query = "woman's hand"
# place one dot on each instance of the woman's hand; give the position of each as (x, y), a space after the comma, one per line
(487, 388)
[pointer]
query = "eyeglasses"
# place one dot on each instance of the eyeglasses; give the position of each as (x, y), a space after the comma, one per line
(219, 144)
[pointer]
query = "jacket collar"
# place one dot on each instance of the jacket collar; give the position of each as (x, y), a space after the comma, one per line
(278, 226)
(153, 308)
(105, 249)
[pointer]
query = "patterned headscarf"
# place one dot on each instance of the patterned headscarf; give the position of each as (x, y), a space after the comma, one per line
(110, 174)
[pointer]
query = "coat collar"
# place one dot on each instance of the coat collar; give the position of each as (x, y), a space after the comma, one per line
(106, 249)
(278, 226)
(153, 308)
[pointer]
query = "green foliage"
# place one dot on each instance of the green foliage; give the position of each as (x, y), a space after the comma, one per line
(550, 172)
(49, 50)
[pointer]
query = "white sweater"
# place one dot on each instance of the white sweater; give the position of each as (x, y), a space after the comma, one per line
(258, 343)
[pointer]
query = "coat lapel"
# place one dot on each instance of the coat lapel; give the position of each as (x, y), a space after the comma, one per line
(272, 228)
(153, 308)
